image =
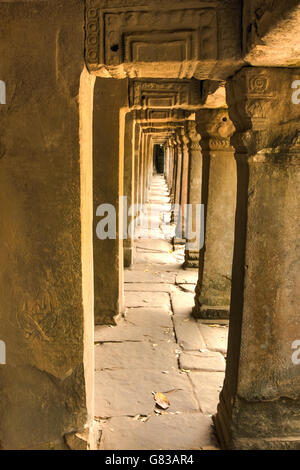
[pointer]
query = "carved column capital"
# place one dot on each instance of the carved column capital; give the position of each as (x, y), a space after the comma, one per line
(194, 137)
(261, 108)
(185, 140)
(215, 128)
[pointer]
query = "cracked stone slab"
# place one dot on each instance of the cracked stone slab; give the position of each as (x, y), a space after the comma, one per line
(147, 299)
(188, 334)
(207, 386)
(149, 275)
(192, 431)
(209, 361)
(155, 267)
(215, 337)
(149, 287)
(155, 258)
(154, 245)
(187, 277)
(129, 392)
(132, 356)
(140, 324)
(190, 288)
(182, 303)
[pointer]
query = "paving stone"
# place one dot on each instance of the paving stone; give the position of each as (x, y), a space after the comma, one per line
(149, 275)
(192, 431)
(174, 267)
(190, 288)
(132, 355)
(215, 337)
(141, 324)
(182, 303)
(187, 276)
(188, 334)
(154, 245)
(147, 299)
(156, 258)
(210, 361)
(207, 386)
(129, 392)
(149, 287)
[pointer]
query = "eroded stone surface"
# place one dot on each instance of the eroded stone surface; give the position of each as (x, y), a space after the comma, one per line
(183, 431)
(147, 299)
(188, 334)
(128, 392)
(149, 275)
(187, 277)
(207, 387)
(149, 287)
(136, 355)
(209, 361)
(151, 325)
(182, 304)
(215, 336)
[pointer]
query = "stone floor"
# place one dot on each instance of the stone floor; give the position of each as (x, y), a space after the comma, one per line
(158, 347)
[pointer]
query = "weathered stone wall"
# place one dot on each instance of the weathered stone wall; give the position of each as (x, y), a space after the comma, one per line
(43, 384)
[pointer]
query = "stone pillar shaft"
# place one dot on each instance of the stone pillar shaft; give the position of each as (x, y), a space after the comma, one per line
(108, 186)
(129, 182)
(219, 197)
(194, 188)
(260, 400)
(184, 180)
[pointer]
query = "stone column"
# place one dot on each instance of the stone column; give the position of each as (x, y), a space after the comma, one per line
(184, 178)
(138, 143)
(173, 172)
(219, 197)
(109, 124)
(142, 168)
(177, 196)
(149, 164)
(194, 188)
(260, 401)
(177, 191)
(129, 183)
(167, 162)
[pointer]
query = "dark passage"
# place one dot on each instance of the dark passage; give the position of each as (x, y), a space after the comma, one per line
(159, 158)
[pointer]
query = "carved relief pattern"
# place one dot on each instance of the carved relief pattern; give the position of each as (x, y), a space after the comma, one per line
(38, 319)
(115, 36)
(164, 94)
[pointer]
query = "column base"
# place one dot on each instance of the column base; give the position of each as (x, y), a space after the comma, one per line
(178, 241)
(211, 312)
(250, 426)
(191, 259)
(128, 257)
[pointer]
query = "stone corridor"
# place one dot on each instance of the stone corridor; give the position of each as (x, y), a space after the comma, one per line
(158, 347)
(189, 112)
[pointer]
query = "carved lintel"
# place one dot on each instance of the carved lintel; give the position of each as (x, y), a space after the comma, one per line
(165, 94)
(123, 40)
